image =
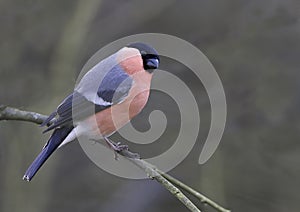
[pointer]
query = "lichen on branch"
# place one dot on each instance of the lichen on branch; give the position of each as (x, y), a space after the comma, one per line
(169, 182)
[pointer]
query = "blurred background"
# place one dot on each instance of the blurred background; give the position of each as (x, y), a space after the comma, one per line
(255, 48)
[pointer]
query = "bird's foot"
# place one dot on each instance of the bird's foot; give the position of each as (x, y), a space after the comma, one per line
(117, 147)
(121, 149)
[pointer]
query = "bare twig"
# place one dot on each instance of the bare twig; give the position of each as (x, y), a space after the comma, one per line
(152, 172)
(10, 113)
(193, 192)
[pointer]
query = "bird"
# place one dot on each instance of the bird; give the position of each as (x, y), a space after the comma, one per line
(106, 98)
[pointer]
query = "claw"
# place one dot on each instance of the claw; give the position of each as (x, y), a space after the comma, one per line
(117, 147)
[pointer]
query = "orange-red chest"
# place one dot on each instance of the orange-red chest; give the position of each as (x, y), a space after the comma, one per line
(115, 117)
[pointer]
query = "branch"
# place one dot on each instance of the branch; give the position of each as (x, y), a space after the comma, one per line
(152, 172)
(10, 113)
(203, 199)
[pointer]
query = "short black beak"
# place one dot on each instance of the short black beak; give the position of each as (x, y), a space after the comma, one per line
(152, 63)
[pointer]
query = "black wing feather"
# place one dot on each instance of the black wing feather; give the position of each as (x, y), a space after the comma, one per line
(77, 104)
(115, 85)
(113, 89)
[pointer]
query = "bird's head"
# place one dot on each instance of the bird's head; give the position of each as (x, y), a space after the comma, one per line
(149, 55)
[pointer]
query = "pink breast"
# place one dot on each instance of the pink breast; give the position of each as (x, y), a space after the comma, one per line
(115, 117)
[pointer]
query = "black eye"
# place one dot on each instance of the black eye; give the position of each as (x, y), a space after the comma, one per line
(150, 56)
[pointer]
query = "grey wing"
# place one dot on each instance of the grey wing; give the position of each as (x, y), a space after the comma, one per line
(115, 86)
(112, 89)
(75, 107)
(106, 83)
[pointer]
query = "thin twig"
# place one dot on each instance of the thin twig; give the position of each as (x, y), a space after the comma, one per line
(152, 172)
(10, 113)
(193, 192)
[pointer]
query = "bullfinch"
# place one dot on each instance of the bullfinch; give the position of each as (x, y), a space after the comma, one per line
(117, 89)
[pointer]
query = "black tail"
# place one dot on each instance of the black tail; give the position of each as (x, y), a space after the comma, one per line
(54, 141)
